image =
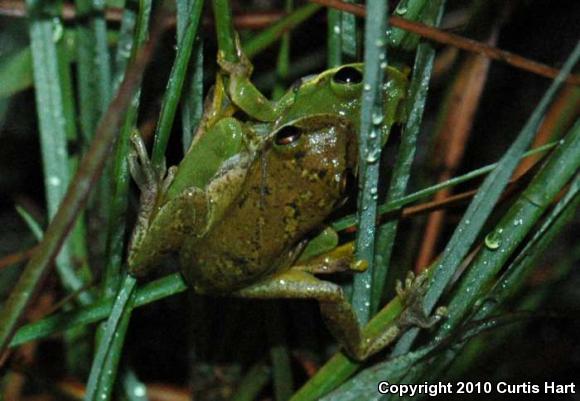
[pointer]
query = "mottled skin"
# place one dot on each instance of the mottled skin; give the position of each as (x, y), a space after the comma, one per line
(250, 188)
(288, 191)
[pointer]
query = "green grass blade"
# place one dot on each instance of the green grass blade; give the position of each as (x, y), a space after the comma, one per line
(105, 364)
(225, 30)
(192, 98)
(32, 224)
(151, 292)
(510, 281)
(349, 33)
(271, 34)
(93, 65)
(370, 152)
(483, 204)
(174, 87)
(15, 72)
(52, 114)
(74, 200)
(350, 221)
(253, 383)
(333, 38)
(514, 226)
(134, 32)
(410, 10)
(406, 154)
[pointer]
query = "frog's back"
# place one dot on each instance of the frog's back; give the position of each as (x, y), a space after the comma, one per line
(282, 199)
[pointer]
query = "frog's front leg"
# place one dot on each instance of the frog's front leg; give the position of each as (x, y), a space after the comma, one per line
(242, 91)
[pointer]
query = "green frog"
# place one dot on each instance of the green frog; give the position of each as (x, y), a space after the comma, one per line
(258, 179)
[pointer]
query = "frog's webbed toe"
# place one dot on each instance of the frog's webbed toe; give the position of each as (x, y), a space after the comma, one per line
(412, 293)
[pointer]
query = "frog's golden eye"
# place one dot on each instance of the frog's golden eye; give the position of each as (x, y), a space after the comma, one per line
(287, 135)
(348, 75)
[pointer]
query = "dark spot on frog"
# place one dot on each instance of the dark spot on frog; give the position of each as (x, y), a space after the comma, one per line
(322, 173)
(299, 155)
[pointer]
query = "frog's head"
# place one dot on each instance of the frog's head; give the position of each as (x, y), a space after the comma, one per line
(308, 162)
(338, 92)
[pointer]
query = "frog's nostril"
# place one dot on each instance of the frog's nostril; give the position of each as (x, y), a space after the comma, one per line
(348, 75)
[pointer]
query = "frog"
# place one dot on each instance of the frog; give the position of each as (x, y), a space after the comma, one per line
(259, 178)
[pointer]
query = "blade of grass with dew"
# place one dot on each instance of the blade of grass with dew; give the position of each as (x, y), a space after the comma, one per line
(482, 205)
(74, 200)
(406, 153)
(134, 32)
(349, 33)
(410, 10)
(333, 38)
(105, 364)
(350, 221)
(55, 123)
(509, 282)
(150, 292)
(253, 383)
(270, 35)
(369, 152)
(174, 86)
(515, 225)
(93, 66)
(364, 385)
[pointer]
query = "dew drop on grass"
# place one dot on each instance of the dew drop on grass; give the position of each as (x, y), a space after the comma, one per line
(493, 240)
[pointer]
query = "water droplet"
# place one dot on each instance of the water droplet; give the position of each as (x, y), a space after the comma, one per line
(518, 222)
(401, 10)
(336, 29)
(54, 181)
(377, 118)
(373, 156)
(139, 391)
(57, 30)
(379, 43)
(367, 87)
(384, 65)
(493, 240)
(373, 135)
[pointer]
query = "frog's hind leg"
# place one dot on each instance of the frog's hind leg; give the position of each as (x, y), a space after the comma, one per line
(336, 310)
(182, 217)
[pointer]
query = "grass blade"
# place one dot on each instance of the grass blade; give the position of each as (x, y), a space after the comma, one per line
(370, 152)
(402, 170)
(483, 203)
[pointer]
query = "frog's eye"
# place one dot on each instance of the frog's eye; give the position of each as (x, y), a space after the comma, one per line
(287, 135)
(347, 75)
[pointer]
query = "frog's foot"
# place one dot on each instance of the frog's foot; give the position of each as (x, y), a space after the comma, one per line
(412, 293)
(148, 179)
(339, 259)
(241, 68)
